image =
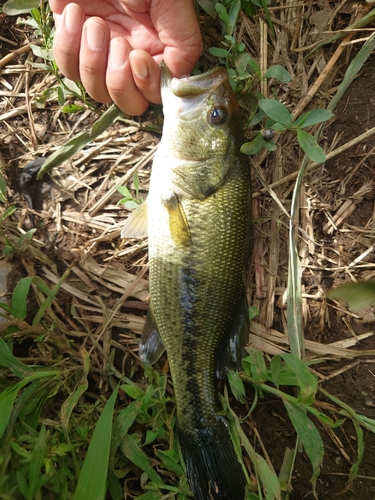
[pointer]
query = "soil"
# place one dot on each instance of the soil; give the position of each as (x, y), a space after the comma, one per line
(340, 178)
(356, 385)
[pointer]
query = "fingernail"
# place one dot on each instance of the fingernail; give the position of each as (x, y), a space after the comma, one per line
(73, 18)
(139, 67)
(95, 35)
(118, 54)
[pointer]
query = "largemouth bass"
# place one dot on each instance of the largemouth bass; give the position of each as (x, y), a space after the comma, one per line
(199, 211)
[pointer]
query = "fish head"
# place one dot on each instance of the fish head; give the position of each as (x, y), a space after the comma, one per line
(201, 115)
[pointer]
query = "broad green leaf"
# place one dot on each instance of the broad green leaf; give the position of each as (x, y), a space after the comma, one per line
(309, 436)
(253, 312)
(72, 108)
(357, 295)
(208, 7)
(276, 111)
(279, 73)
(16, 7)
(254, 66)
(8, 360)
(306, 380)
(72, 86)
(93, 478)
(133, 391)
(258, 369)
(42, 52)
(233, 15)
(222, 13)
(253, 147)
(241, 61)
(309, 145)
(218, 52)
(7, 398)
(60, 95)
(135, 454)
(236, 386)
(257, 118)
(313, 117)
(170, 461)
(271, 146)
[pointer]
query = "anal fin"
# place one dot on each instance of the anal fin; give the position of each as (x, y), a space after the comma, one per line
(232, 348)
(151, 346)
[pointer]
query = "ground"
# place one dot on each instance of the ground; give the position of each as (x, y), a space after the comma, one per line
(79, 222)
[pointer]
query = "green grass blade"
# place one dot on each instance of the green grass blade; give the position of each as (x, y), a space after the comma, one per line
(354, 68)
(8, 360)
(360, 451)
(309, 436)
(78, 142)
(36, 462)
(70, 403)
(51, 295)
(365, 20)
(92, 482)
(136, 455)
(19, 297)
(306, 380)
(7, 398)
(269, 480)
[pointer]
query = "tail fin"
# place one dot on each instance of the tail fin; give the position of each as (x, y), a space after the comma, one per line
(212, 467)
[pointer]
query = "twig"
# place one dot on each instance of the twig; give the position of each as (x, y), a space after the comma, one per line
(4, 61)
(323, 75)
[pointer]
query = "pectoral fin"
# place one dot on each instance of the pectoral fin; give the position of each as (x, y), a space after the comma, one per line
(233, 345)
(151, 346)
(200, 179)
(178, 223)
(136, 224)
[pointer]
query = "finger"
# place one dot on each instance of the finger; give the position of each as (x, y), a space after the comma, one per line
(93, 58)
(67, 40)
(120, 81)
(146, 75)
(178, 28)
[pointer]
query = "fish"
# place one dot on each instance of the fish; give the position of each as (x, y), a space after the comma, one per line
(198, 214)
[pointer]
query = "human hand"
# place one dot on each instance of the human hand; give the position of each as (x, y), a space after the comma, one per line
(114, 47)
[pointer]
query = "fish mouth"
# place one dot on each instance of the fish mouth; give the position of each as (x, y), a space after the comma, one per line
(192, 92)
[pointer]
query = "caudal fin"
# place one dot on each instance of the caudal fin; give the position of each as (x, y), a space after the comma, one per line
(212, 467)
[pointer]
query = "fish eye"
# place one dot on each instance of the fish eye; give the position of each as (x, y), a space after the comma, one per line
(217, 115)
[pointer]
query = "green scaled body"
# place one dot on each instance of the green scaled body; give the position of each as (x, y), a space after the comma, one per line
(199, 221)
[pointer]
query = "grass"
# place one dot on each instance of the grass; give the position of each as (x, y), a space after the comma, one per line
(72, 424)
